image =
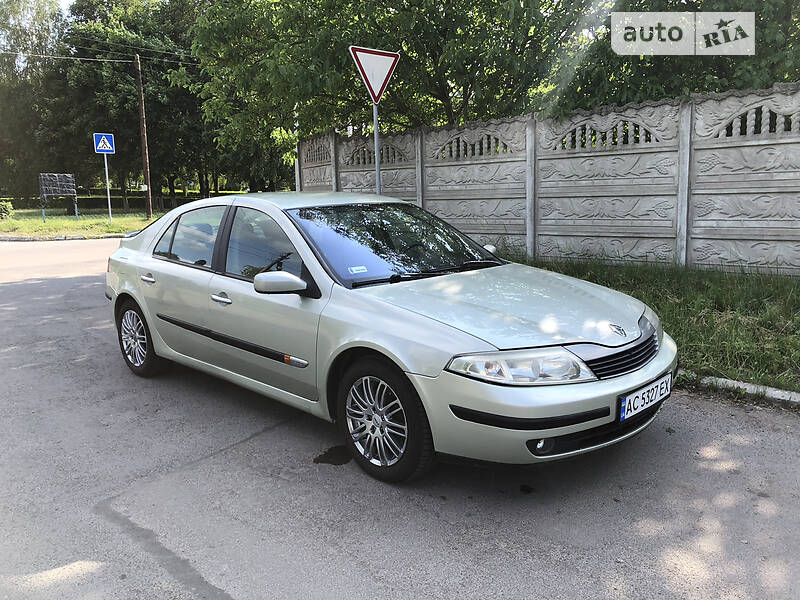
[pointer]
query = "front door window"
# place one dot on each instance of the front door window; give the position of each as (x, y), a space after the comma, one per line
(257, 245)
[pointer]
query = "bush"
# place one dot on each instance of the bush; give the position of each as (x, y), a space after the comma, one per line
(6, 210)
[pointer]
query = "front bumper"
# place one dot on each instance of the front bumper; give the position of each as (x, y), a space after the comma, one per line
(523, 414)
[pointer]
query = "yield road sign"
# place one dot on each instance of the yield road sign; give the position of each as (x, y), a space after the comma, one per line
(104, 143)
(376, 67)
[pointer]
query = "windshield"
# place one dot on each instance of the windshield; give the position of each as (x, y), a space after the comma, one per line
(367, 243)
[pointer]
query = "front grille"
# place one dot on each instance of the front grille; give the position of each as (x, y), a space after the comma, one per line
(630, 359)
(608, 362)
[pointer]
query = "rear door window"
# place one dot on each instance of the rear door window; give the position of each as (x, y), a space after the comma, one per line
(194, 237)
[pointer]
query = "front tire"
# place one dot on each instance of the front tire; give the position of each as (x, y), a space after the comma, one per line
(135, 341)
(384, 423)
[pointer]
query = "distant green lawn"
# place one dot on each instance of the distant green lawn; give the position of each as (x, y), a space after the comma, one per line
(743, 326)
(91, 222)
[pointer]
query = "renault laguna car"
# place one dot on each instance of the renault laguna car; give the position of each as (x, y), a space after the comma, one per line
(375, 314)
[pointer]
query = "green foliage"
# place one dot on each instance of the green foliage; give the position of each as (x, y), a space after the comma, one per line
(230, 84)
(274, 63)
(6, 210)
(27, 26)
(603, 77)
(49, 108)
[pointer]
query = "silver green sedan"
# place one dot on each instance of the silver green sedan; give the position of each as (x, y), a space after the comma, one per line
(375, 314)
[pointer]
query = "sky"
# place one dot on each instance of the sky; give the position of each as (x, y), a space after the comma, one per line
(65, 4)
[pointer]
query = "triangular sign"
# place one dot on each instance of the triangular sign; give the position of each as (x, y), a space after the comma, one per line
(103, 144)
(376, 67)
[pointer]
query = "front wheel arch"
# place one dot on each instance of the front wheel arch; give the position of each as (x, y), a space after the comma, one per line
(341, 363)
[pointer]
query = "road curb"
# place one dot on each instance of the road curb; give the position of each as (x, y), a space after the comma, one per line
(59, 238)
(757, 391)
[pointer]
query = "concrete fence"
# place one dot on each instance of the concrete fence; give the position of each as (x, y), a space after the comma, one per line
(710, 181)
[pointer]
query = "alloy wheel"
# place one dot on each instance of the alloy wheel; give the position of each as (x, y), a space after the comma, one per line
(376, 421)
(134, 338)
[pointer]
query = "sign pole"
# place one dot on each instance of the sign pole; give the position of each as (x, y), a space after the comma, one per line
(108, 187)
(375, 67)
(377, 149)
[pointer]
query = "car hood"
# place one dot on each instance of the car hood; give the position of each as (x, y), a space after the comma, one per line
(516, 306)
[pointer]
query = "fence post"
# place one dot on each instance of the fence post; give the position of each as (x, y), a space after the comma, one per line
(334, 163)
(419, 181)
(530, 186)
(685, 125)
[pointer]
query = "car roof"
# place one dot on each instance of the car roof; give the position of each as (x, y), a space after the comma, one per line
(290, 200)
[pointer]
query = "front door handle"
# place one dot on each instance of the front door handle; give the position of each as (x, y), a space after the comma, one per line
(148, 278)
(221, 299)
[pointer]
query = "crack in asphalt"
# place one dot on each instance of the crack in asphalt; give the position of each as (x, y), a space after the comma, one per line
(178, 567)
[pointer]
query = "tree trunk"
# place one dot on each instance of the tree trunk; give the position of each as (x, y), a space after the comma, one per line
(171, 181)
(203, 181)
(123, 183)
(216, 184)
(155, 191)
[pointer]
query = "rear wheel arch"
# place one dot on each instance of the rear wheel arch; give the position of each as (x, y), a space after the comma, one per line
(122, 298)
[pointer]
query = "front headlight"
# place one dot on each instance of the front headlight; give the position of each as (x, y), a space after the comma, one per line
(543, 366)
(655, 322)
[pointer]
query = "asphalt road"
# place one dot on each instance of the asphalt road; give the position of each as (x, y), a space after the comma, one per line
(188, 487)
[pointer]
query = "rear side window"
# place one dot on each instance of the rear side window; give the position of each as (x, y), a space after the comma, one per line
(194, 235)
(258, 244)
(163, 246)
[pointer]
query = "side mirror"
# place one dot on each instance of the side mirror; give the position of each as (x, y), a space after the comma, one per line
(278, 282)
(491, 248)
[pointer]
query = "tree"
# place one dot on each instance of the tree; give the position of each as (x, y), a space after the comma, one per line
(30, 26)
(603, 77)
(229, 84)
(275, 63)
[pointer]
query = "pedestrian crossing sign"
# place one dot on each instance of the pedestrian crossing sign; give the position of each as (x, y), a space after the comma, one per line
(104, 143)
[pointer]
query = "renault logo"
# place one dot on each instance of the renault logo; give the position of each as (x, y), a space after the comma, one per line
(617, 329)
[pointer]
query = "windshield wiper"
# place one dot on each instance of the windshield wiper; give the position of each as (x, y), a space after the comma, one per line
(397, 277)
(479, 264)
(408, 276)
(469, 265)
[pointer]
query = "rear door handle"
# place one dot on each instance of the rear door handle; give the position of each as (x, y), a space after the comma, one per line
(148, 278)
(221, 299)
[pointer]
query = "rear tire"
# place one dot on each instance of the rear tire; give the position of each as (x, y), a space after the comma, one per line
(135, 341)
(384, 423)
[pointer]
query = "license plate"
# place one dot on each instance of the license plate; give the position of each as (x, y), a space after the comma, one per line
(645, 397)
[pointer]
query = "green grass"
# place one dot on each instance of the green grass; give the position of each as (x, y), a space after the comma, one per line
(743, 326)
(91, 222)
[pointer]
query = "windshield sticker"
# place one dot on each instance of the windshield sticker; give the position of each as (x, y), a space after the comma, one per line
(358, 269)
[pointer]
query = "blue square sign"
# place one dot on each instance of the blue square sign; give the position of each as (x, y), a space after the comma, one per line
(104, 143)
